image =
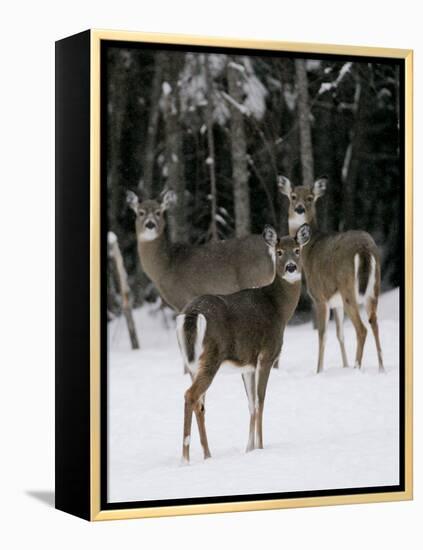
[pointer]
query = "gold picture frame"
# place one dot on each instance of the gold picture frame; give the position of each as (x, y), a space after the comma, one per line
(95, 512)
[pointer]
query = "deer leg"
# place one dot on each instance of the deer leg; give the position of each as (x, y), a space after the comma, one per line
(371, 308)
(263, 377)
(339, 319)
(361, 331)
(193, 396)
(187, 427)
(200, 412)
(322, 318)
(249, 380)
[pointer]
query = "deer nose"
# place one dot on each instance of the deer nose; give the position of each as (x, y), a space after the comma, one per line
(300, 209)
(291, 267)
(150, 225)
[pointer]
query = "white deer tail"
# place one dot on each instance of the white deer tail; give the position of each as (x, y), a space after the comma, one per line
(365, 276)
(191, 330)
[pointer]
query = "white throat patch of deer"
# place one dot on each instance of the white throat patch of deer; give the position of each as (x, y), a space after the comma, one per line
(342, 271)
(181, 272)
(244, 329)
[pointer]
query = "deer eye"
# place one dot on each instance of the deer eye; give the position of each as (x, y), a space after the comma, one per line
(142, 212)
(297, 251)
(279, 252)
(293, 196)
(157, 213)
(310, 198)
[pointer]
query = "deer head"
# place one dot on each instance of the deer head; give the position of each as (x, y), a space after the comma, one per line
(150, 221)
(287, 251)
(302, 200)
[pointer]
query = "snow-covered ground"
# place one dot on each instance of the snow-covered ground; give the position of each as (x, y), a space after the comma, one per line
(339, 429)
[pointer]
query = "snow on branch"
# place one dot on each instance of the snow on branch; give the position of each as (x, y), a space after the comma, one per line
(327, 86)
(236, 66)
(242, 108)
(166, 88)
(111, 237)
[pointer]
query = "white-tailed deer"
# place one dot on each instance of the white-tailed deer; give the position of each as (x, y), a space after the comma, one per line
(342, 271)
(244, 329)
(181, 272)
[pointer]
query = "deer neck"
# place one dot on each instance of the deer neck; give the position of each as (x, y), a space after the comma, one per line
(309, 248)
(295, 221)
(155, 256)
(285, 297)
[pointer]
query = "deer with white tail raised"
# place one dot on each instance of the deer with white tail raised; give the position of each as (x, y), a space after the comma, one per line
(181, 272)
(342, 271)
(244, 330)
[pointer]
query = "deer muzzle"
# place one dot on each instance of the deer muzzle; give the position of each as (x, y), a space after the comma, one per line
(150, 225)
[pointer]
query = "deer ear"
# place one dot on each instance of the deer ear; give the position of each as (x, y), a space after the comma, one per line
(319, 187)
(270, 236)
(284, 185)
(303, 234)
(132, 200)
(169, 199)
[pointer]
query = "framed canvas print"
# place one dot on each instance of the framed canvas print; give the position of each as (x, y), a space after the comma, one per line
(234, 275)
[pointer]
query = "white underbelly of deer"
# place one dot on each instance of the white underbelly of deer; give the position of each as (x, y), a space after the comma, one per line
(335, 301)
(229, 367)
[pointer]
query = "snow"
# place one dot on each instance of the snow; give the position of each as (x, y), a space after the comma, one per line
(255, 92)
(327, 86)
(237, 66)
(290, 96)
(166, 88)
(241, 108)
(221, 220)
(111, 237)
(313, 64)
(194, 92)
(339, 429)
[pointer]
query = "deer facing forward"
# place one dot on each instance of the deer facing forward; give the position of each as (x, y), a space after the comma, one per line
(244, 329)
(342, 271)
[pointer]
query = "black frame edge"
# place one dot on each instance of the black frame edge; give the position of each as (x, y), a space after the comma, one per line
(72, 205)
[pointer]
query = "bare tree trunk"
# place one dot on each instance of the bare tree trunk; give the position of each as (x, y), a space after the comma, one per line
(211, 156)
(289, 159)
(122, 278)
(153, 120)
(325, 150)
(118, 99)
(174, 154)
(303, 107)
(240, 172)
(351, 167)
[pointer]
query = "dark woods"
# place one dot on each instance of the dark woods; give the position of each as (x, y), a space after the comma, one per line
(218, 129)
